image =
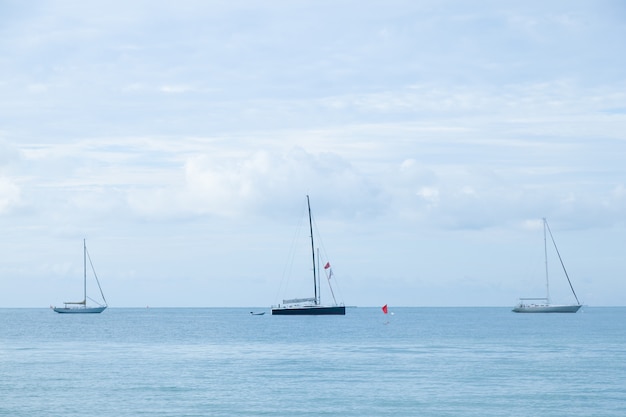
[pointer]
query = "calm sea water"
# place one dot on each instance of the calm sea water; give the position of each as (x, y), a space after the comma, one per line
(226, 362)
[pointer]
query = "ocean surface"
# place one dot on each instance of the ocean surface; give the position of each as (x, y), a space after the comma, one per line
(227, 362)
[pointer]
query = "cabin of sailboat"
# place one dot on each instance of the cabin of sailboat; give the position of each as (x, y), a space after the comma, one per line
(543, 304)
(81, 307)
(311, 306)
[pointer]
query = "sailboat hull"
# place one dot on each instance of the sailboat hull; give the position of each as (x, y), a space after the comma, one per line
(547, 308)
(310, 311)
(80, 310)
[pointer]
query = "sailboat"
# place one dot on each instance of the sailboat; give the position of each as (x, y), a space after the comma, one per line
(80, 307)
(543, 305)
(310, 306)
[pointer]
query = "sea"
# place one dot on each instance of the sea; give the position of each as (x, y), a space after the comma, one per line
(228, 362)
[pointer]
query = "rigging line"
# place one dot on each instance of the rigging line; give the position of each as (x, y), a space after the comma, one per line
(318, 238)
(95, 275)
(97, 302)
(320, 243)
(331, 288)
(337, 287)
(291, 254)
(563, 265)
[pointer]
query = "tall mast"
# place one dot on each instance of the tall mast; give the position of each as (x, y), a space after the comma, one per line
(545, 254)
(312, 250)
(84, 272)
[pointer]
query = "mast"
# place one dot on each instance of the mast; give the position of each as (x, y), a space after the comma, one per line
(312, 250)
(545, 254)
(84, 272)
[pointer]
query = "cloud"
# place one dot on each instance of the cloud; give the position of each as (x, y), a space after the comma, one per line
(175, 89)
(10, 191)
(9, 194)
(260, 183)
(37, 88)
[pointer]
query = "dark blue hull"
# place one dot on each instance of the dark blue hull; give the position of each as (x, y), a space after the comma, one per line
(310, 311)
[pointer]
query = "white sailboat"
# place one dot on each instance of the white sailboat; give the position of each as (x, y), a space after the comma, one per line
(310, 306)
(543, 304)
(81, 307)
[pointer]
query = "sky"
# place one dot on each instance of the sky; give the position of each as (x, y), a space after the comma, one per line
(180, 139)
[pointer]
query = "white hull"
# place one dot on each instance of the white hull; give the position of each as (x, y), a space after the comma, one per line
(79, 310)
(537, 308)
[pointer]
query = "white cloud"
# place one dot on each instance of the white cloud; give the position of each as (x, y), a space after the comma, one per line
(37, 88)
(175, 89)
(9, 194)
(258, 182)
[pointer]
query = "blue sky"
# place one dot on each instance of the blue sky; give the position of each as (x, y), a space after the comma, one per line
(181, 138)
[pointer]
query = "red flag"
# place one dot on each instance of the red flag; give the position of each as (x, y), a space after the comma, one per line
(327, 265)
(385, 309)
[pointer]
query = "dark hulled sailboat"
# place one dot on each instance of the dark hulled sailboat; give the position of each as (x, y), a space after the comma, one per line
(309, 306)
